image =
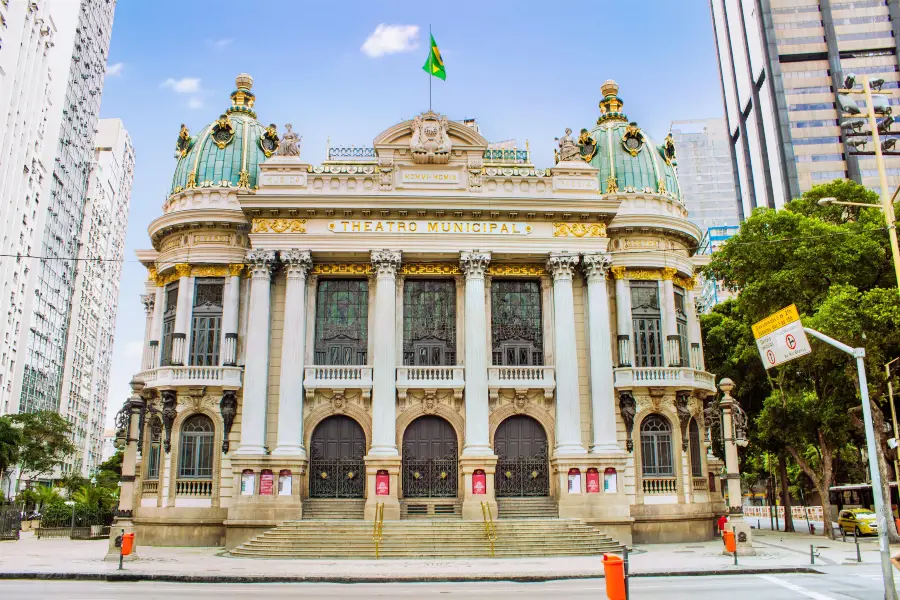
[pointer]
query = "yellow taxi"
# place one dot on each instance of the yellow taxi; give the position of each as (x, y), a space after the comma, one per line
(859, 520)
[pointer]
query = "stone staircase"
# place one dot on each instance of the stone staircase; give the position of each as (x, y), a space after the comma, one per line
(329, 509)
(421, 538)
(430, 508)
(527, 508)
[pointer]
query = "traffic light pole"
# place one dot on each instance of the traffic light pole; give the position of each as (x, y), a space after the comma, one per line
(887, 573)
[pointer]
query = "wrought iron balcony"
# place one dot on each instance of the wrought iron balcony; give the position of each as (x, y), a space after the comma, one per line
(521, 378)
(165, 377)
(431, 378)
(337, 377)
(680, 377)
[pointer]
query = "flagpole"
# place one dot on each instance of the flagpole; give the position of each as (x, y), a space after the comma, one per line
(430, 76)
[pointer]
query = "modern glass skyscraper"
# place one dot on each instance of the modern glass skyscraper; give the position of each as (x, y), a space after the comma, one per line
(781, 63)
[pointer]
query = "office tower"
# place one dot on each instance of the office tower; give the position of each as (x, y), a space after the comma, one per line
(781, 63)
(704, 171)
(85, 388)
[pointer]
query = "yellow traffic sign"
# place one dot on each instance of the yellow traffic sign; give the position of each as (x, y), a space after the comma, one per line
(783, 317)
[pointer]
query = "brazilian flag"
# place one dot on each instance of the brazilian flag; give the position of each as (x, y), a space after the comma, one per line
(434, 66)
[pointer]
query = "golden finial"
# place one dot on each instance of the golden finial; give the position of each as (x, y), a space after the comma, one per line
(244, 81)
(609, 88)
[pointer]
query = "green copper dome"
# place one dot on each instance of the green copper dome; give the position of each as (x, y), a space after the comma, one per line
(227, 152)
(628, 158)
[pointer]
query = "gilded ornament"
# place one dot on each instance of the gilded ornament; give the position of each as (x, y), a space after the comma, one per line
(661, 186)
(151, 273)
(235, 270)
(633, 140)
(579, 230)
(192, 181)
(430, 269)
(183, 270)
(687, 283)
(515, 270)
(222, 132)
(668, 273)
(184, 143)
(244, 179)
(268, 141)
(617, 272)
(612, 187)
(209, 271)
(644, 274)
(278, 226)
(668, 150)
(587, 146)
(342, 269)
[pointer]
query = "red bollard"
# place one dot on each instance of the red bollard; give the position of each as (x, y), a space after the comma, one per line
(614, 573)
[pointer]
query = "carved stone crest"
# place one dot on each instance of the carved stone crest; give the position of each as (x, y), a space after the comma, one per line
(228, 408)
(386, 173)
(429, 402)
(521, 401)
(338, 402)
(430, 142)
(475, 166)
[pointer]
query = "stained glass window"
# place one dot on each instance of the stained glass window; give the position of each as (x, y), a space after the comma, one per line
(206, 327)
(646, 322)
(429, 322)
(656, 447)
(682, 327)
(342, 322)
(171, 306)
(516, 327)
(196, 455)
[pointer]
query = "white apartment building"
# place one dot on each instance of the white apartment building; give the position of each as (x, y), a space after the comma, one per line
(704, 171)
(92, 323)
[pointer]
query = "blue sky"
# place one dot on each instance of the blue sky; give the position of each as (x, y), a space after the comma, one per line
(525, 70)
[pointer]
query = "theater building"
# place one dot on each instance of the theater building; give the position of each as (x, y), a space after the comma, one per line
(429, 323)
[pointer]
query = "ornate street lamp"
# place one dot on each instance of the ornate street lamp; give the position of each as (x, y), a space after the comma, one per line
(734, 434)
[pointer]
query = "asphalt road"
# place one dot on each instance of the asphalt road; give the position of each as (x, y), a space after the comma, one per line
(862, 583)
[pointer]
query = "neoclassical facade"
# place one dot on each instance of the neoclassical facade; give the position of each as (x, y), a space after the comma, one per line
(430, 323)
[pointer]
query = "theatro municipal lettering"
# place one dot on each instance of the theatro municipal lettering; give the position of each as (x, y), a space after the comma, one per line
(469, 227)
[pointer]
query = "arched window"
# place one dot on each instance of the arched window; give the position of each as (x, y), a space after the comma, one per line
(656, 447)
(196, 455)
(154, 450)
(696, 452)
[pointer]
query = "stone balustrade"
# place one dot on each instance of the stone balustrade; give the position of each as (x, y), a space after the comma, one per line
(337, 377)
(681, 377)
(431, 378)
(530, 377)
(194, 488)
(659, 486)
(170, 376)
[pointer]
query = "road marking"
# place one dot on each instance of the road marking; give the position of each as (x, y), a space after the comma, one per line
(796, 588)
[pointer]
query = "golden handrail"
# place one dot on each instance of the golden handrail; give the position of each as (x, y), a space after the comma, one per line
(490, 529)
(378, 527)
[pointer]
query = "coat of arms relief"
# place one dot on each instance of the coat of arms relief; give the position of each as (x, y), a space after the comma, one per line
(430, 142)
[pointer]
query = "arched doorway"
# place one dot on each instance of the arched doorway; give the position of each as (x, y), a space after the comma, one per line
(429, 459)
(520, 444)
(336, 466)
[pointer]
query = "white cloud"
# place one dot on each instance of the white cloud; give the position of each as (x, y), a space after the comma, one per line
(115, 70)
(390, 39)
(185, 85)
(195, 102)
(220, 43)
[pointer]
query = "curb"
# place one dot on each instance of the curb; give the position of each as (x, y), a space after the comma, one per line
(175, 578)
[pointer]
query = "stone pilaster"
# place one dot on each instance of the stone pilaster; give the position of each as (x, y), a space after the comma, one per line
(297, 264)
(256, 370)
(568, 412)
(149, 302)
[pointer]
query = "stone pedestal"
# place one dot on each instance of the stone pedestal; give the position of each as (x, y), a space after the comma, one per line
(471, 505)
(391, 464)
(120, 527)
(743, 535)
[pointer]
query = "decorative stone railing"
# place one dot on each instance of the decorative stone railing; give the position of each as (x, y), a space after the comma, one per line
(149, 487)
(659, 486)
(194, 488)
(700, 484)
(431, 378)
(225, 377)
(680, 377)
(337, 378)
(521, 378)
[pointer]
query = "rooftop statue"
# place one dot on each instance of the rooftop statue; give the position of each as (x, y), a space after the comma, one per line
(289, 145)
(568, 150)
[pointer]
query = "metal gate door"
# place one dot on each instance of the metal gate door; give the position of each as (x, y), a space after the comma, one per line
(336, 466)
(429, 459)
(522, 468)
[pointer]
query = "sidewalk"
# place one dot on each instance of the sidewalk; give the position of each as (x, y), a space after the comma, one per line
(65, 559)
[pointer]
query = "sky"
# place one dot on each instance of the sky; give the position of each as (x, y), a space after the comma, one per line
(346, 71)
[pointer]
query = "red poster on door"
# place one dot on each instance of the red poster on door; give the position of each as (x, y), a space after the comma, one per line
(593, 481)
(266, 483)
(382, 483)
(479, 483)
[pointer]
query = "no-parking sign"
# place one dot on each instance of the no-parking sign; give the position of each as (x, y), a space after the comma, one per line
(780, 337)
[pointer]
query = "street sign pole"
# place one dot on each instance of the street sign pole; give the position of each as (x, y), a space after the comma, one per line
(887, 574)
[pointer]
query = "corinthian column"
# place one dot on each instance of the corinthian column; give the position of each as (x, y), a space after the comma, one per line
(384, 393)
(148, 300)
(603, 409)
(474, 264)
(256, 370)
(623, 316)
(670, 324)
(568, 413)
(230, 310)
(297, 264)
(182, 314)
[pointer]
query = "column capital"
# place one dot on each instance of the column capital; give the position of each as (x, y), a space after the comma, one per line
(562, 265)
(297, 263)
(149, 301)
(183, 270)
(474, 263)
(260, 262)
(595, 266)
(386, 262)
(235, 270)
(618, 272)
(668, 273)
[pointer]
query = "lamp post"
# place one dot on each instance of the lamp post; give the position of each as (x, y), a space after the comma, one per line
(733, 431)
(890, 382)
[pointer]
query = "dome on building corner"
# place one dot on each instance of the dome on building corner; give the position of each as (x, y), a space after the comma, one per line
(227, 152)
(628, 158)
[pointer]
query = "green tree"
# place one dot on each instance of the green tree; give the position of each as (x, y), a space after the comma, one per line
(10, 440)
(45, 496)
(94, 497)
(834, 264)
(45, 442)
(72, 482)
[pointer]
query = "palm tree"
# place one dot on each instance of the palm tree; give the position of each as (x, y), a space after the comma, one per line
(91, 496)
(45, 495)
